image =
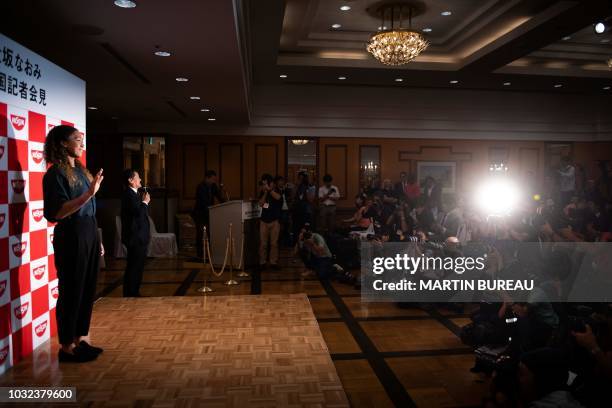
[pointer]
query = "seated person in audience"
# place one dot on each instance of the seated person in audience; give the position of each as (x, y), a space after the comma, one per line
(362, 218)
(399, 224)
(592, 384)
(360, 198)
(542, 379)
(534, 327)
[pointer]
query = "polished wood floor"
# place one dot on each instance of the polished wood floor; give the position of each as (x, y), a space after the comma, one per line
(384, 355)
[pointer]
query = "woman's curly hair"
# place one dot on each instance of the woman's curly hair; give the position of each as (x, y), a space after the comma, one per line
(56, 153)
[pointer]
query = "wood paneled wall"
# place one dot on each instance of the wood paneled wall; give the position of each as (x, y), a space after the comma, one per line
(240, 160)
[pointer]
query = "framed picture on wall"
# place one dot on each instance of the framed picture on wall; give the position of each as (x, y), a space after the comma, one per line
(443, 172)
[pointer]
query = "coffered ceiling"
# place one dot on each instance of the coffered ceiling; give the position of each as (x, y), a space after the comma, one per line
(480, 44)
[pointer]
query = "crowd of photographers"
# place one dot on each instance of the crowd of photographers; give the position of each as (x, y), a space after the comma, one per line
(541, 352)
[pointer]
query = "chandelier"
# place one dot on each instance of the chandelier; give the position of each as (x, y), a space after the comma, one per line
(299, 142)
(396, 46)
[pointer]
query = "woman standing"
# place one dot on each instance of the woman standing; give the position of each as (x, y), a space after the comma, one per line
(69, 191)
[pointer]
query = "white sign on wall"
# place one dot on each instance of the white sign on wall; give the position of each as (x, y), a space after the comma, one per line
(31, 82)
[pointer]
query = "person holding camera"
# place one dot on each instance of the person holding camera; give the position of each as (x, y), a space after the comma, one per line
(271, 203)
(328, 195)
(135, 231)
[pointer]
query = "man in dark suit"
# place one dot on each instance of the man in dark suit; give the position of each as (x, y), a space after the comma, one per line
(135, 231)
(206, 193)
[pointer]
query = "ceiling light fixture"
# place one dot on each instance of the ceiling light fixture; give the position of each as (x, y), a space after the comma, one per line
(92, 108)
(345, 8)
(609, 62)
(204, 110)
(282, 76)
(605, 40)
(211, 119)
(194, 98)
(427, 30)
(399, 79)
(567, 37)
(446, 13)
(454, 81)
(396, 46)
(336, 26)
(125, 3)
(181, 79)
(162, 53)
(606, 88)
(558, 85)
(599, 28)
(380, 28)
(507, 83)
(342, 78)
(299, 142)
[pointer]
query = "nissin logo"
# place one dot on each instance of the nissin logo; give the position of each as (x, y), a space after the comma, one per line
(22, 310)
(55, 292)
(2, 287)
(38, 214)
(39, 272)
(4, 354)
(2, 219)
(18, 122)
(41, 329)
(37, 156)
(18, 186)
(19, 248)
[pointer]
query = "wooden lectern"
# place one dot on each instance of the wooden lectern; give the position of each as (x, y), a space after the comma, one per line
(243, 216)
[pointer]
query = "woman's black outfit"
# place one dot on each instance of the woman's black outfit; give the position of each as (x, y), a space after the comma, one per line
(77, 252)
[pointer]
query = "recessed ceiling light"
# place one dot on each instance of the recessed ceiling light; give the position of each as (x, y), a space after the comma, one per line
(342, 78)
(92, 108)
(282, 76)
(125, 3)
(605, 40)
(399, 79)
(599, 28)
(567, 37)
(204, 110)
(336, 26)
(427, 30)
(558, 85)
(194, 98)
(211, 119)
(162, 53)
(382, 28)
(446, 13)
(606, 88)
(181, 79)
(454, 81)
(345, 8)
(507, 83)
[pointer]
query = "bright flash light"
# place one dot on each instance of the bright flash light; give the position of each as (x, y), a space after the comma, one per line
(497, 196)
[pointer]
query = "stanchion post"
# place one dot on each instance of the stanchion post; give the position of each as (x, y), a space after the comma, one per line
(243, 273)
(205, 289)
(230, 242)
